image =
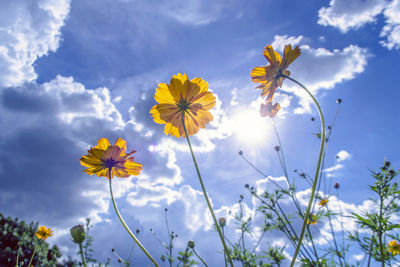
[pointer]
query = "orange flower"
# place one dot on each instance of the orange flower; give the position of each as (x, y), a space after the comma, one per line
(103, 157)
(183, 97)
(43, 232)
(269, 110)
(270, 76)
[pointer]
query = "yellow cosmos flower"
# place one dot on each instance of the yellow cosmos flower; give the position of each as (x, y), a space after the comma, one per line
(183, 97)
(103, 157)
(270, 76)
(323, 202)
(394, 247)
(43, 232)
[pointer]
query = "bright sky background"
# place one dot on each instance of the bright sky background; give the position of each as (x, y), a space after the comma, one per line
(72, 72)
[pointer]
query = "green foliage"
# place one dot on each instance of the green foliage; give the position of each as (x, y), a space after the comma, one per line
(19, 236)
(379, 223)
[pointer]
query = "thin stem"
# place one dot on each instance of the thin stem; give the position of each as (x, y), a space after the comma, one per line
(334, 238)
(223, 235)
(124, 224)
(205, 194)
(82, 255)
(380, 231)
(33, 254)
(199, 257)
(314, 185)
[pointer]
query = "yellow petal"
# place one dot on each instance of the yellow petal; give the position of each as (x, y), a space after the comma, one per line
(163, 94)
(103, 143)
(273, 57)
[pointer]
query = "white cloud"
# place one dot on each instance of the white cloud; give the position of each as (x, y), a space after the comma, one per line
(319, 68)
(342, 155)
(346, 15)
(28, 30)
(392, 28)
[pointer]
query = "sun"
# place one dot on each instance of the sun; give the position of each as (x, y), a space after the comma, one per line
(249, 127)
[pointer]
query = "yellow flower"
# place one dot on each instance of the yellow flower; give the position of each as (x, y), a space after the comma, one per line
(312, 219)
(43, 232)
(104, 156)
(323, 202)
(183, 97)
(394, 247)
(270, 76)
(270, 110)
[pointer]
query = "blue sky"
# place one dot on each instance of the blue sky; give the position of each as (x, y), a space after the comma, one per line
(72, 72)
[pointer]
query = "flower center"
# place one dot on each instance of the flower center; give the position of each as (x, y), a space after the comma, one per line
(109, 163)
(183, 104)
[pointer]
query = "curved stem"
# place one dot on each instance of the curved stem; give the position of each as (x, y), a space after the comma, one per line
(82, 255)
(124, 224)
(205, 194)
(314, 185)
(199, 257)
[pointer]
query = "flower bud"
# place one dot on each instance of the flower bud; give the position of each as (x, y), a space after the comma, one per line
(339, 100)
(336, 186)
(222, 222)
(191, 244)
(78, 233)
(240, 152)
(277, 148)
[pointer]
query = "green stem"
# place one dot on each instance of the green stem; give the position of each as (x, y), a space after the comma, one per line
(205, 194)
(124, 224)
(314, 185)
(33, 254)
(16, 264)
(82, 254)
(199, 257)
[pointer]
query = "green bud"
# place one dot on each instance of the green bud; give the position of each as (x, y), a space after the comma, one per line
(191, 244)
(78, 233)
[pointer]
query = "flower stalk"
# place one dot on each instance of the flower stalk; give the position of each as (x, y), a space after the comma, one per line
(124, 224)
(82, 255)
(317, 170)
(205, 193)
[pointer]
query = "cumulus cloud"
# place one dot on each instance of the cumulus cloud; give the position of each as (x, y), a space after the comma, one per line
(342, 155)
(391, 31)
(346, 15)
(28, 30)
(324, 68)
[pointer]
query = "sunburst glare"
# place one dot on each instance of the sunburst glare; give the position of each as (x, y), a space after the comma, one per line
(249, 127)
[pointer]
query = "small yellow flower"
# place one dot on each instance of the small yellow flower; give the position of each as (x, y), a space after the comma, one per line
(323, 202)
(312, 219)
(269, 110)
(183, 97)
(270, 76)
(103, 157)
(43, 232)
(394, 247)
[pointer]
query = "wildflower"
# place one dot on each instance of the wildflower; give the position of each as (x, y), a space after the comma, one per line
(312, 219)
(269, 109)
(394, 247)
(104, 157)
(43, 232)
(270, 76)
(183, 97)
(323, 202)
(77, 233)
